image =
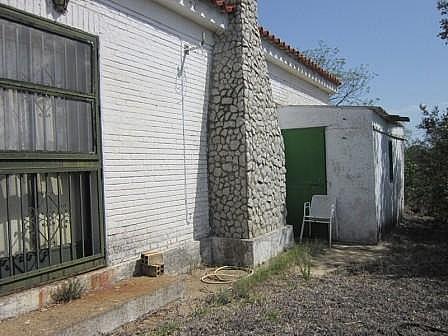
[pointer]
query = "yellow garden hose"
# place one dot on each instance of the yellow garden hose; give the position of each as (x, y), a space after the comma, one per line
(219, 276)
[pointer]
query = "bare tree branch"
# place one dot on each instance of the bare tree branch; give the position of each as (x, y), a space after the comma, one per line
(355, 87)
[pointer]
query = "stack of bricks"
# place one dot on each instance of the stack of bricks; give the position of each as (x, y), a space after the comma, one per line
(152, 264)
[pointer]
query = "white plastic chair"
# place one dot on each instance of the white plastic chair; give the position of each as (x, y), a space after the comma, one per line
(322, 209)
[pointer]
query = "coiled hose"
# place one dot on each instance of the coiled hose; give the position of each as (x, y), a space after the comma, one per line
(222, 276)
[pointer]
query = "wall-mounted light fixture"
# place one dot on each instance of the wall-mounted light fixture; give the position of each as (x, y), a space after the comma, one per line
(60, 6)
(187, 50)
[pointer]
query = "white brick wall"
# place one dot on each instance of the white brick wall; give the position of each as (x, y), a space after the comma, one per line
(148, 167)
(154, 123)
(291, 90)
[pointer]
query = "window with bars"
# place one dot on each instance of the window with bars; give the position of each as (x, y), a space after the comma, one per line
(50, 162)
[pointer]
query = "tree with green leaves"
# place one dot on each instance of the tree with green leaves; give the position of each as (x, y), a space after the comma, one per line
(355, 86)
(442, 6)
(426, 169)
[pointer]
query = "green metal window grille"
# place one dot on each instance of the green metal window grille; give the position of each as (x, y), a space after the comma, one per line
(51, 213)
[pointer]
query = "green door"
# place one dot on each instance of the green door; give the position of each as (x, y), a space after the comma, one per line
(305, 170)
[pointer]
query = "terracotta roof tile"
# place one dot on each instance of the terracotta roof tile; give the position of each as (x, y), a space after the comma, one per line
(298, 56)
(225, 5)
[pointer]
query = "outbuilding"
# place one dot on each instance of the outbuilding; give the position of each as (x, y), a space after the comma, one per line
(355, 154)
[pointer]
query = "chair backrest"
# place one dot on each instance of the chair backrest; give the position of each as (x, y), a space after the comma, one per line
(321, 206)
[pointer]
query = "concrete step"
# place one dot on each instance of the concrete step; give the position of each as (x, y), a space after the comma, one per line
(100, 311)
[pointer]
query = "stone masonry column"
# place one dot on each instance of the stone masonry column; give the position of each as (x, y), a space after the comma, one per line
(246, 153)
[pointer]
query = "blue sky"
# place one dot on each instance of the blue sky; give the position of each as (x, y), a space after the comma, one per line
(396, 38)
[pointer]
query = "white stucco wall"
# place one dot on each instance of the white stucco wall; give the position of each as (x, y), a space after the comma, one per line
(351, 163)
(389, 194)
(154, 124)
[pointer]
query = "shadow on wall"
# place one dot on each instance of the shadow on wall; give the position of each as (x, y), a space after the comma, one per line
(194, 148)
(388, 181)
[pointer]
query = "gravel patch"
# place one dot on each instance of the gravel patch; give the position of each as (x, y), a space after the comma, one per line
(404, 292)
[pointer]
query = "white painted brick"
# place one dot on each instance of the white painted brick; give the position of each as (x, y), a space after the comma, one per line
(291, 90)
(141, 46)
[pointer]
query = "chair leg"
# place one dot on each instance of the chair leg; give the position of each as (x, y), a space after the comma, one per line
(329, 233)
(337, 227)
(301, 230)
(309, 229)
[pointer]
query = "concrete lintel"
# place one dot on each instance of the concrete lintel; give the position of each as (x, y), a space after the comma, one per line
(250, 252)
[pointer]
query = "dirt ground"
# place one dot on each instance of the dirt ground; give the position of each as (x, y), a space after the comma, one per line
(399, 288)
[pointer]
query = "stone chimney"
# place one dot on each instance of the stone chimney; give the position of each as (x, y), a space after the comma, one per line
(246, 158)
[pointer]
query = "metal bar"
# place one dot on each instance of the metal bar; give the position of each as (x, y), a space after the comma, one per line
(6, 103)
(76, 69)
(40, 155)
(78, 264)
(42, 76)
(58, 176)
(390, 135)
(32, 107)
(21, 136)
(316, 221)
(81, 216)
(4, 75)
(48, 169)
(19, 132)
(92, 208)
(5, 114)
(44, 90)
(33, 181)
(86, 56)
(33, 124)
(55, 124)
(25, 268)
(93, 114)
(53, 98)
(54, 62)
(3, 51)
(79, 127)
(17, 52)
(72, 231)
(30, 66)
(65, 63)
(11, 268)
(44, 122)
(67, 124)
(66, 102)
(48, 219)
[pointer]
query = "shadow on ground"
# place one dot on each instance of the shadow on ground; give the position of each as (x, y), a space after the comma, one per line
(418, 247)
(398, 288)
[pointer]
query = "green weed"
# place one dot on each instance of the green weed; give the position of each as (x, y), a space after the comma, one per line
(68, 291)
(297, 256)
(304, 263)
(221, 298)
(166, 329)
(272, 315)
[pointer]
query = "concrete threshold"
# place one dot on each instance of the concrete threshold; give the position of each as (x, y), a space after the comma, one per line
(100, 311)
